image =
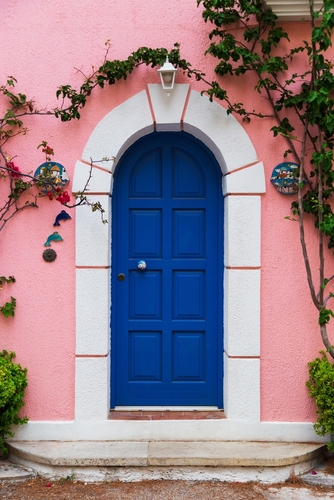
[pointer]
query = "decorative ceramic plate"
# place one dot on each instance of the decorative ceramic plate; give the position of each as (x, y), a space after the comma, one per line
(50, 174)
(285, 177)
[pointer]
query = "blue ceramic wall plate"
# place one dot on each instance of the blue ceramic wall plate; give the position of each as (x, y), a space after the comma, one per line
(285, 177)
(53, 173)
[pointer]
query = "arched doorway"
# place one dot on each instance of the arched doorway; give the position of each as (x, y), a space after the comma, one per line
(167, 335)
(243, 184)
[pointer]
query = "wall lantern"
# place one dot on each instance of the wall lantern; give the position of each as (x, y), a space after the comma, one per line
(167, 74)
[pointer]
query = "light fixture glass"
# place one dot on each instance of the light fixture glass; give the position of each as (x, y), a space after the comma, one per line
(167, 75)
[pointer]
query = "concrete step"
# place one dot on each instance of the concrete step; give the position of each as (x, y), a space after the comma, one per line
(10, 472)
(119, 460)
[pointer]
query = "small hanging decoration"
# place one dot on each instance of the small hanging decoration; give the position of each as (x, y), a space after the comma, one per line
(285, 177)
(53, 237)
(61, 216)
(51, 175)
(49, 255)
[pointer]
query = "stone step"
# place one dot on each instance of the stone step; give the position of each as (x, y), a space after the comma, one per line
(10, 472)
(167, 453)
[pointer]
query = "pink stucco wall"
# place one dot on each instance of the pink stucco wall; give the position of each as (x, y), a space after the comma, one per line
(44, 46)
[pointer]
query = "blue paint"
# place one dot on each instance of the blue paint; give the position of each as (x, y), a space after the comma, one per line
(167, 333)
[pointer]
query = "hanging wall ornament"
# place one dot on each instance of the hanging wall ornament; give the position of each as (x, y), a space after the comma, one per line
(53, 237)
(61, 216)
(285, 177)
(49, 255)
(51, 175)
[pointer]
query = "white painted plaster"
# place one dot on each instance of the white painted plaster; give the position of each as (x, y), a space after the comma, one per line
(168, 110)
(93, 237)
(100, 181)
(248, 180)
(269, 475)
(92, 389)
(242, 388)
(221, 132)
(92, 311)
(119, 129)
(242, 312)
(242, 226)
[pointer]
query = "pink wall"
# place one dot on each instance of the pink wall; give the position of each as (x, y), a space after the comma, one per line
(42, 47)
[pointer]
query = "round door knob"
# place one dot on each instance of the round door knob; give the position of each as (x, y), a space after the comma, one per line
(141, 265)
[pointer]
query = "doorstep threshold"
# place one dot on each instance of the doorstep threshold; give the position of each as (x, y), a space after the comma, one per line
(163, 413)
(166, 408)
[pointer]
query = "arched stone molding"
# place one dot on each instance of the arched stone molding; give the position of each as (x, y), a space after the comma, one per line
(243, 183)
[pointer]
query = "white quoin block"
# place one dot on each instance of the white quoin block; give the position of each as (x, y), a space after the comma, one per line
(168, 110)
(242, 312)
(92, 311)
(242, 389)
(92, 388)
(222, 133)
(100, 180)
(92, 236)
(119, 129)
(249, 180)
(242, 231)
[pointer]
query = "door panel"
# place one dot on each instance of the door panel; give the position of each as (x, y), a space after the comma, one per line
(167, 318)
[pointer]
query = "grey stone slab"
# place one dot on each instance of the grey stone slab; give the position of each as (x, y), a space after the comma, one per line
(82, 453)
(10, 472)
(231, 453)
(319, 477)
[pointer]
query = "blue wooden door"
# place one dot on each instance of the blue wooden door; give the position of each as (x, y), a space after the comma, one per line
(167, 317)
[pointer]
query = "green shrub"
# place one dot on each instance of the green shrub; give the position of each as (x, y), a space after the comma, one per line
(321, 387)
(13, 381)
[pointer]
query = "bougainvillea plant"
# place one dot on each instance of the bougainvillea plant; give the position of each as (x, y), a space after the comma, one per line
(22, 190)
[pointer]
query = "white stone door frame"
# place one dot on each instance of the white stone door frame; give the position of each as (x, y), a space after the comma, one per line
(243, 184)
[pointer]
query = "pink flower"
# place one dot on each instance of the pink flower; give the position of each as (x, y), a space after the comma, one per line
(63, 198)
(13, 168)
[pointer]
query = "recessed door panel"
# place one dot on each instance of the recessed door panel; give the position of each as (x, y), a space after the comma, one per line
(189, 234)
(189, 297)
(145, 356)
(188, 178)
(146, 177)
(145, 233)
(145, 295)
(188, 360)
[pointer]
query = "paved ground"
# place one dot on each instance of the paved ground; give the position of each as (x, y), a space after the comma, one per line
(38, 489)
(16, 483)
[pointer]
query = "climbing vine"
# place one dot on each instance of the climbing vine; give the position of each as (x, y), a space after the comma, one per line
(247, 41)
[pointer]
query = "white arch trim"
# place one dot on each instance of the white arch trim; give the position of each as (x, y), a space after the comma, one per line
(243, 184)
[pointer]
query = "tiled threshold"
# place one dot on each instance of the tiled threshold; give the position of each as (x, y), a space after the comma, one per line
(166, 415)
